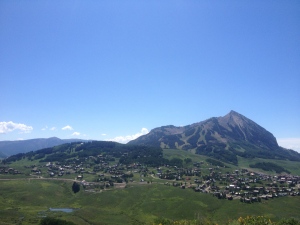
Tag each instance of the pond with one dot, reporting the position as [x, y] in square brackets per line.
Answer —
[66, 210]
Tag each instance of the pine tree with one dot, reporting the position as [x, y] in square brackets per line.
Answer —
[76, 187]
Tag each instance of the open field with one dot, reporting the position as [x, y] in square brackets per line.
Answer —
[292, 166]
[27, 201]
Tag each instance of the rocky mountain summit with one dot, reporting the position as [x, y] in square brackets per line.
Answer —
[224, 138]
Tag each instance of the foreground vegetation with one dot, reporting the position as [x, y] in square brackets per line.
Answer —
[249, 220]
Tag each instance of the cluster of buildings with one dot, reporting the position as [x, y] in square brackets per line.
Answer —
[242, 184]
[249, 186]
[8, 170]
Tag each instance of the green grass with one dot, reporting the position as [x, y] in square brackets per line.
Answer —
[292, 166]
[182, 154]
[172, 153]
[136, 204]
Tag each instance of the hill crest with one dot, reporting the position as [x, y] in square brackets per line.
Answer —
[8, 148]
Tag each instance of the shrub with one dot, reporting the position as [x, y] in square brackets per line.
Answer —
[290, 221]
[255, 220]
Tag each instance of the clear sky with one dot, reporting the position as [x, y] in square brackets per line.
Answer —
[115, 69]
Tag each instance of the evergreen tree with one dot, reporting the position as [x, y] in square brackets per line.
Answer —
[75, 187]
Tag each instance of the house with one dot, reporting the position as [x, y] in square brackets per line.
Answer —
[230, 197]
[197, 189]
[264, 197]
[247, 200]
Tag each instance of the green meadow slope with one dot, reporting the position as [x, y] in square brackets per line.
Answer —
[27, 201]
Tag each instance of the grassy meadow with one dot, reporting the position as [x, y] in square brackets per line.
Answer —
[292, 166]
[27, 201]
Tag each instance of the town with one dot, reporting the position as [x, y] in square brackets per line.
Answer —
[100, 173]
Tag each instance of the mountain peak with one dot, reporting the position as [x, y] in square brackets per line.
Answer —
[233, 118]
[234, 113]
[232, 134]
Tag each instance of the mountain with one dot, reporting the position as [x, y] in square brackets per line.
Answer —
[8, 148]
[223, 138]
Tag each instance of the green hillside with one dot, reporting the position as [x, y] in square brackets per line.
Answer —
[28, 201]
[126, 184]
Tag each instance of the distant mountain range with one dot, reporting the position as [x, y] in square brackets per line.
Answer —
[224, 138]
[8, 148]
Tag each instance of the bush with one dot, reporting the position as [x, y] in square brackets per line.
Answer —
[249, 220]
[255, 220]
[290, 221]
[164, 221]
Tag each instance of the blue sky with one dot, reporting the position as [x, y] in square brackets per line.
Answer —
[107, 69]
